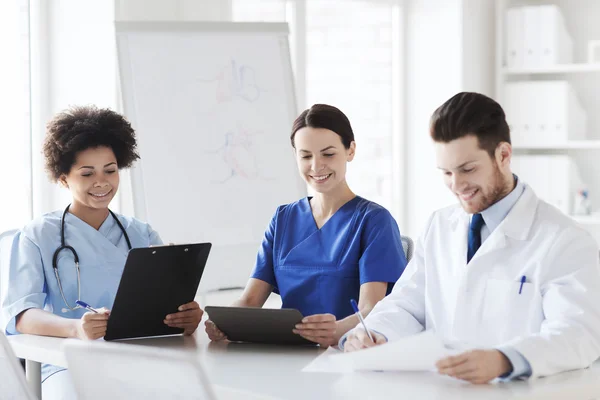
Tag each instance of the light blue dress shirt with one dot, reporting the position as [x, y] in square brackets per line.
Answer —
[493, 217]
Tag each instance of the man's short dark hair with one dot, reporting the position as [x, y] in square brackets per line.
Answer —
[470, 113]
[82, 127]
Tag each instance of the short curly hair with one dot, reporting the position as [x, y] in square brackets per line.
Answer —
[82, 127]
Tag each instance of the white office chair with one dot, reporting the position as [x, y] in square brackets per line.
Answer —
[407, 246]
[108, 370]
[5, 244]
[13, 385]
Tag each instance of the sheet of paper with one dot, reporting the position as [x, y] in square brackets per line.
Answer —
[414, 353]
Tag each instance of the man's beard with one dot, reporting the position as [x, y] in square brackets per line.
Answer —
[495, 192]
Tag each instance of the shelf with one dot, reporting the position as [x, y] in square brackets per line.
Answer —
[554, 69]
[593, 219]
[572, 145]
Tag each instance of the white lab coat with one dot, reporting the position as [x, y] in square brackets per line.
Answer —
[555, 321]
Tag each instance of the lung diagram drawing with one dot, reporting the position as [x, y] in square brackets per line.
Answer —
[232, 98]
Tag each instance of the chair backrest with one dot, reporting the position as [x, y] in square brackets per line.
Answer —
[407, 246]
[13, 385]
[132, 371]
[5, 245]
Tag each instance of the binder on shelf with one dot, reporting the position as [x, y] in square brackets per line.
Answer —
[560, 176]
[536, 36]
[556, 46]
[554, 178]
[514, 47]
[544, 113]
[564, 117]
[514, 116]
[531, 37]
[536, 113]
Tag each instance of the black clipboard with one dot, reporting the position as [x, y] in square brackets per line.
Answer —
[155, 282]
[258, 325]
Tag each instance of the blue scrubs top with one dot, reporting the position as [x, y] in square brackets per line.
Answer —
[102, 254]
[319, 270]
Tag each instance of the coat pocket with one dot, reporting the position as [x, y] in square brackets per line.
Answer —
[510, 310]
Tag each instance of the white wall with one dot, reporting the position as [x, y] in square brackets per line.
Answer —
[433, 68]
[450, 46]
[72, 64]
[478, 45]
[172, 10]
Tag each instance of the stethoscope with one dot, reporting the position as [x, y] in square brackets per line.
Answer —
[63, 246]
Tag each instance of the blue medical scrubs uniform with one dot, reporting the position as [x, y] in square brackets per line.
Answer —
[102, 254]
[319, 270]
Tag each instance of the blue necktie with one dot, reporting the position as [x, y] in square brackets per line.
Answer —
[474, 235]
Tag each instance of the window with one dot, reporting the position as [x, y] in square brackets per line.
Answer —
[347, 53]
[15, 133]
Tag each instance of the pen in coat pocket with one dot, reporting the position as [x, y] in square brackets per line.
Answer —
[523, 280]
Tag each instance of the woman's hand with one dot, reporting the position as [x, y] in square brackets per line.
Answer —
[188, 318]
[319, 328]
[213, 332]
[92, 326]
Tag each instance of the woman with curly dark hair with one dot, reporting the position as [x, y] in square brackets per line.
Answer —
[81, 250]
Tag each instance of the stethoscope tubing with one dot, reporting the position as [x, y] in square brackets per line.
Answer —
[63, 246]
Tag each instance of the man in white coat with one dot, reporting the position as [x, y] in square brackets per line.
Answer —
[503, 271]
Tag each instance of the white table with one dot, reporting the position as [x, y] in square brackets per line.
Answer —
[276, 372]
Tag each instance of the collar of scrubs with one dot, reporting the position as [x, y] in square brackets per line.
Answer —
[495, 214]
[106, 226]
[104, 235]
[307, 208]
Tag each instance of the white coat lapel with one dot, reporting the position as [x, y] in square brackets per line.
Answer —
[519, 220]
[460, 228]
[516, 225]
[495, 242]
[456, 297]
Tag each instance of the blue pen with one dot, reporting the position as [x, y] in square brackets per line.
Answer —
[523, 279]
[86, 306]
[360, 318]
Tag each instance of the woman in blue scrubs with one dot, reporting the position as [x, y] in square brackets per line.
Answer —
[322, 251]
[84, 149]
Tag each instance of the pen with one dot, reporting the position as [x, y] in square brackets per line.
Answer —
[360, 318]
[523, 279]
[86, 306]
